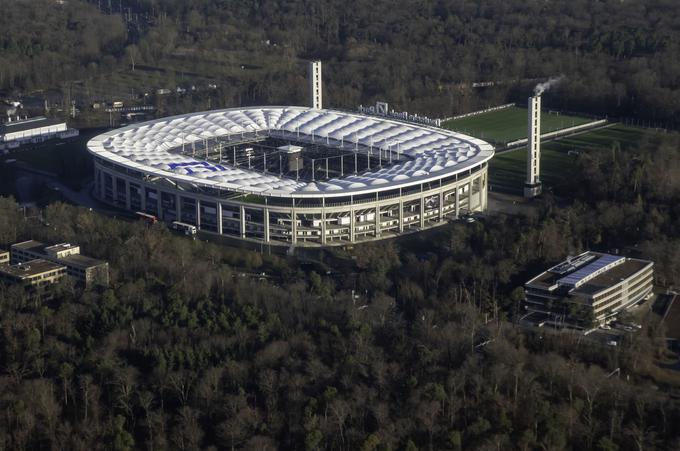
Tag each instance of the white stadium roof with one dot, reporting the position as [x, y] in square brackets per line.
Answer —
[432, 153]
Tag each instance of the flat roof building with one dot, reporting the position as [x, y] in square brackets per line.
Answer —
[33, 130]
[4, 258]
[87, 270]
[589, 289]
[34, 275]
[30, 127]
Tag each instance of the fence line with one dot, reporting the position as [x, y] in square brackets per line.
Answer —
[564, 131]
[475, 113]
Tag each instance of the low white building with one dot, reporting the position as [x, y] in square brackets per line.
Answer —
[33, 130]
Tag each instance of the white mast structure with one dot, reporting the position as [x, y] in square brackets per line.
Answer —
[533, 185]
[315, 85]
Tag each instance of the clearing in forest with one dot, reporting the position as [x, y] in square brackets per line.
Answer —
[509, 124]
[507, 170]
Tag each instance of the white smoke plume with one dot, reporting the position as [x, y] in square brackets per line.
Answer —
[542, 87]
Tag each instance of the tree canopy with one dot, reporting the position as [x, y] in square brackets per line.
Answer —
[617, 58]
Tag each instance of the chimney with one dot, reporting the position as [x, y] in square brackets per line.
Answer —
[533, 185]
[315, 84]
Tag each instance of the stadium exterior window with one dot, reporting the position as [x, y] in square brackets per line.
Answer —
[267, 194]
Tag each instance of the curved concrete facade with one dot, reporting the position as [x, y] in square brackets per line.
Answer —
[333, 221]
[324, 216]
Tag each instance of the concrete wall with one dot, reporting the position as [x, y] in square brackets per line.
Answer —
[330, 223]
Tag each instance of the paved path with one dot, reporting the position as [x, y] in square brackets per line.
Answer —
[509, 204]
[26, 178]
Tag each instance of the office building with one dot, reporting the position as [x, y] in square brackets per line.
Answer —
[589, 289]
[35, 275]
[83, 269]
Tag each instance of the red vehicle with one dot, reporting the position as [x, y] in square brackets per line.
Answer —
[150, 219]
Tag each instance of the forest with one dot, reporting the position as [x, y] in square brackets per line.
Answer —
[618, 59]
[404, 344]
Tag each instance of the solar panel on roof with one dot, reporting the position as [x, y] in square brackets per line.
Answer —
[587, 272]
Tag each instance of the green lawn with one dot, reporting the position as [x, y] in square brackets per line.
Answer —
[507, 170]
[510, 124]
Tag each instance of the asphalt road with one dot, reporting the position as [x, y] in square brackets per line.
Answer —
[26, 179]
[509, 204]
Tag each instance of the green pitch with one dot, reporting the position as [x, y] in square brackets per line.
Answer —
[509, 124]
[507, 170]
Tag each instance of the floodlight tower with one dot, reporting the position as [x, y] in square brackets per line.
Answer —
[533, 185]
[315, 84]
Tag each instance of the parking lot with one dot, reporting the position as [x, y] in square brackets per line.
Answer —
[612, 334]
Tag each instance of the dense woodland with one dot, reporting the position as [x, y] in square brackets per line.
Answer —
[618, 58]
[406, 344]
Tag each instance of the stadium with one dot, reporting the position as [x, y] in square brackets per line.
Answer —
[292, 175]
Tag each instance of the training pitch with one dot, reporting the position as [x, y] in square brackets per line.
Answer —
[510, 124]
[507, 170]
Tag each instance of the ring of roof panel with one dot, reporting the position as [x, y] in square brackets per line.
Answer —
[433, 153]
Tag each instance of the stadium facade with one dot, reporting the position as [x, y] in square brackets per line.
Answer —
[292, 175]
